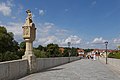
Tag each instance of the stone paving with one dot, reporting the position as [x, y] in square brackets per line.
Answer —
[79, 70]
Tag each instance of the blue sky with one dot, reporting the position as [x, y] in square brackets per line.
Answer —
[85, 23]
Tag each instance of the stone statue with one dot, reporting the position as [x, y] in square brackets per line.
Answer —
[29, 34]
[29, 18]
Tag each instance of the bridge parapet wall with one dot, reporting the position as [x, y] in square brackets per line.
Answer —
[113, 62]
[12, 70]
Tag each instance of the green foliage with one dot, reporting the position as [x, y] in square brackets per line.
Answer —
[119, 47]
[66, 52]
[20, 53]
[22, 45]
[7, 42]
[8, 46]
[8, 56]
[39, 54]
[53, 50]
[40, 47]
[114, 55]
[74, 51]
[88, 50]
[3, 29]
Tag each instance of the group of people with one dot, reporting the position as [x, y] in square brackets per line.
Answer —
[92, 55]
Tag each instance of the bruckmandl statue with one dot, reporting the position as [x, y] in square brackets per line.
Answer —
[29, 34]
[29, 18]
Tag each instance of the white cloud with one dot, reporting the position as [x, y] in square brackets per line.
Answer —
[41, 12]
[98, 40]
[49, 39]
[116, 41]
[5, 9]
[9, 3]
[16, 29]
[73, 39]
[20, 8]
[46, 28]
[50, 33]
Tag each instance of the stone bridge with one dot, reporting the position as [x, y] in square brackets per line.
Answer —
[79, 70]
[57, 69]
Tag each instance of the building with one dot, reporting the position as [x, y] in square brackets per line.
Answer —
[80, 52]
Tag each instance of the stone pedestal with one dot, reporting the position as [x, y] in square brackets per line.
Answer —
[29, 55]
[29, 34]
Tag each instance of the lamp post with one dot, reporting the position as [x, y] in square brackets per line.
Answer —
[69, 43]
[106, 44]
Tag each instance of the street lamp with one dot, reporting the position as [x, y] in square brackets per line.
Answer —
[69, 43]
[106, 43]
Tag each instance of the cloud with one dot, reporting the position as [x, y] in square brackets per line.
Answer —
[9, 3]
[5, 9]
[98, 40]
[50, 33]
[116, 41]
[45, 28]
[20, 8]
[41, 12]
[16, 28]
[48, 40]
[73, 39]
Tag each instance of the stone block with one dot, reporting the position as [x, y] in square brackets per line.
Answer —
[23, 68]
[14, 69]
[40, 64]
[4, 68]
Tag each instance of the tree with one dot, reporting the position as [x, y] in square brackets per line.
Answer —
[88, 50]
[10, 56]
[119, 47]
[8, 46]
[40, 54]
[53, 50]
[74, 51]
[40, 47]
[7, 42]
[22, 45]
[66, 52]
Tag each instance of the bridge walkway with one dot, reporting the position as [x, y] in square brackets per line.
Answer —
[79, 70]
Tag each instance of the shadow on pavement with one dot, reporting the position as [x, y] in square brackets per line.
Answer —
[52, 69]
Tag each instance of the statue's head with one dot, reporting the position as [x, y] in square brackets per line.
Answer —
[28, 11]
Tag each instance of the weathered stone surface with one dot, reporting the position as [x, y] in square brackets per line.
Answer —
[29, 34]
[78, 70]
[4, 71]
[11, 70]
[15, 69]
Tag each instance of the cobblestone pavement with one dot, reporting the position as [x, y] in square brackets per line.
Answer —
[79, 70]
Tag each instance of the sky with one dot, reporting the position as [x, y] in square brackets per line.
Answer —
[84, 23]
